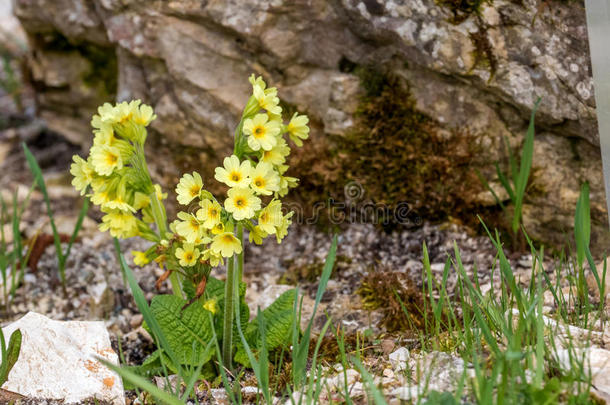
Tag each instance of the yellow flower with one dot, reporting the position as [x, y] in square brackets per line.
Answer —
[100, 198]
[257, 81]
[264, 179]
[189, 228]
[218, 228]
[211, 305]
[242, 203]
[143, 115]
[105, 159]
[225, 244]
[257, 235]
[140, 200]
[286, 182]
[118, 203]
[209, 214]
[104, 135]
[262, 132]
[139, 258]
[297, 128]
[234, 173]
[187, 255]
[276, 155]
[160, 194]
[82, 172]
[202, 239]
[106, 112]
[214, 259]
[270, 217]
[120, 224]
[189, 187]
[267, 98]
[282, 230]
[123, 111]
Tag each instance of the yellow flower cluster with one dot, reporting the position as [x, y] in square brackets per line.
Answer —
[112, 175]
[254, 173]
[116, 178]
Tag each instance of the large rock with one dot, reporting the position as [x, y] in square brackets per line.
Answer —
[58, 360]
[472, 77]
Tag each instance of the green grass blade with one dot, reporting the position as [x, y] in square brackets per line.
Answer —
[505, 183]
[39, 180]
[144, 384]
[582, 224]
[142, 305]
[17, 246]
[512, 161]
[77, 226]
[300, 349]
[260, 366]
[378, 398]
[310, 392]
[527, 155]
[491, 190]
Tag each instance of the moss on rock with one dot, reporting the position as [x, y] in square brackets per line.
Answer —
[398, 156]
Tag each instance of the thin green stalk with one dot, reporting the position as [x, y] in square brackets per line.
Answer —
[240, 257]
[160, 218]
[227, 336]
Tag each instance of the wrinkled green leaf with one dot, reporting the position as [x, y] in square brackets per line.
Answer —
[277, 318]
[183, 327]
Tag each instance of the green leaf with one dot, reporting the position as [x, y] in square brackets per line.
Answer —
[39, 180]
[12, 355]
[300, 349]
[527, 155]
[182, 328]
[277, 318]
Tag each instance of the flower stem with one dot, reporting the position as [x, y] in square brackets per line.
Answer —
[227, 335]
[158, 212]
[240, 257]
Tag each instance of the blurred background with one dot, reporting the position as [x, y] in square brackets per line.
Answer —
[410, 100]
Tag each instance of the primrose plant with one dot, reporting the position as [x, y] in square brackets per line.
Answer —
[116, 178]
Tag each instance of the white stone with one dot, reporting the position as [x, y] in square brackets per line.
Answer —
[399, 359]
[58, 361]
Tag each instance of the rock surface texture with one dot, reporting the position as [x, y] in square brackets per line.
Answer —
[469, 75]
[58, 361]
